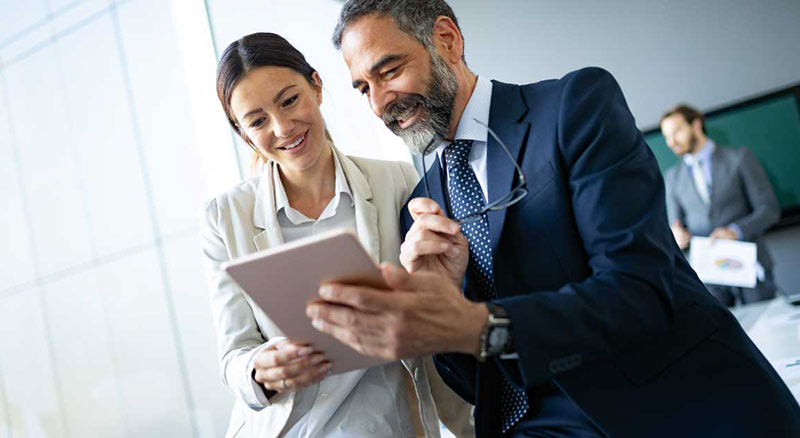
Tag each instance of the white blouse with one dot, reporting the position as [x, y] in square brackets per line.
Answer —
[353, 404]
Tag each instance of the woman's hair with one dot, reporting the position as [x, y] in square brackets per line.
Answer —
[247, 53]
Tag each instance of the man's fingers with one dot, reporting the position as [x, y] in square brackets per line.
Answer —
[414, 248]
[420, 206]
[332, 314]
[394, 276]
[435, 223]
[359, 297]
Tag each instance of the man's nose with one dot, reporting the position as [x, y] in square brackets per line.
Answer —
[379, 100]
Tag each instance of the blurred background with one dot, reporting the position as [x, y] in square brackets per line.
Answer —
[111, 138]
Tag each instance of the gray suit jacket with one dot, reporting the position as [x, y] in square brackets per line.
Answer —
[741, 194]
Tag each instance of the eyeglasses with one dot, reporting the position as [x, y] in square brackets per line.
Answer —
[515, 195]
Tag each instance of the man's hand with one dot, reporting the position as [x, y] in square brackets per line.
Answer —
[681, 234]
[434, 243]
[424, 313]
[726, 233]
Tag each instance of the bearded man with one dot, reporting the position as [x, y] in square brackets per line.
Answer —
[720, 192]
[540, 268]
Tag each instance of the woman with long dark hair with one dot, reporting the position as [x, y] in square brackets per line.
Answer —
[271, 96]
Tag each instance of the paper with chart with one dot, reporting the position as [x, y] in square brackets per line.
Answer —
[724, 262]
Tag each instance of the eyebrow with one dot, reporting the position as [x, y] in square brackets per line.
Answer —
[275, 100]
[280, 93]
[386, 59]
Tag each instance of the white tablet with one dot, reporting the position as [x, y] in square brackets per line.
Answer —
[283, 280]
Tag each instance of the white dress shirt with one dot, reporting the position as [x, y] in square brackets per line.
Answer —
[371, 403]
[477, 108]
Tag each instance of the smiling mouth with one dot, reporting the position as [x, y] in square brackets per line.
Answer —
[409, 117]
[295, 143]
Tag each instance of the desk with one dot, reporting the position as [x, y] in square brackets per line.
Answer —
[774, 326]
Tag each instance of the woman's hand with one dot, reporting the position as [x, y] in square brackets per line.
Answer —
[287, 366]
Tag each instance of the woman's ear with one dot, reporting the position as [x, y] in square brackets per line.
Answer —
[318, 86]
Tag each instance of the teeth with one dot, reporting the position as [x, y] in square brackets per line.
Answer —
[294, 145]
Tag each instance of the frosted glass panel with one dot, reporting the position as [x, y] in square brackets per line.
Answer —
[212, 400]
[16, 265]
[173, 162]
[143, 343]
[46, 146]
[27, 367]
[104, 138]
[81, 349]
[16, 16]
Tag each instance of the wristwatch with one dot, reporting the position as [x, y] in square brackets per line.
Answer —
[496, 334]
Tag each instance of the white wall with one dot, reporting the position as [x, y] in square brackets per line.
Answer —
[706, 53]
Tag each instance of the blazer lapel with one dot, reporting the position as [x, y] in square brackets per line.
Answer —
[437, 186]
[366, 213]
[264, 214]
[718, 175]
[505, 118]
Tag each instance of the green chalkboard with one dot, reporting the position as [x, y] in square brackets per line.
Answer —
[769, 126]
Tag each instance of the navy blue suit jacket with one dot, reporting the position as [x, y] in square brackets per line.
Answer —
[602, 302]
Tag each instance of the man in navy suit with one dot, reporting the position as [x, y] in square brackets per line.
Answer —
[567, 310]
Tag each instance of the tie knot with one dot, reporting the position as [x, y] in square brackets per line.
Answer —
[457, 154]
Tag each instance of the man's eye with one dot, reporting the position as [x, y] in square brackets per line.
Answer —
[290, 100]
[389, 73]
[364, 90]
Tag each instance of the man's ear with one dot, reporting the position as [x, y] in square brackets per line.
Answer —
[697, 125]
[447, 39]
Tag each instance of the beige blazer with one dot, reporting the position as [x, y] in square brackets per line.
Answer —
[242, 221]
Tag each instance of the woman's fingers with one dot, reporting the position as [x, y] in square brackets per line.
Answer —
[289, 366]
[294, 375]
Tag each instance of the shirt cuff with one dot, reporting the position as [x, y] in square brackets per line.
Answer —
[259, 399]
[737, 230]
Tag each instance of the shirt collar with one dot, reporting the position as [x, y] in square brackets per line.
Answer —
[478, 107]
[702, 156]
[282, 200]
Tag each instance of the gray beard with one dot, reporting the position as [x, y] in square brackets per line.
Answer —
[433, 122]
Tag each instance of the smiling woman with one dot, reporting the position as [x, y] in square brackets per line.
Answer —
[241, 68]
[305, 186]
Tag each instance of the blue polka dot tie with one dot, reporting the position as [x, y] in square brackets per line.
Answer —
[466, 198]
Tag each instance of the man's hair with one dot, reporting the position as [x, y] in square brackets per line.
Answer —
[689, 114]
[414, 17]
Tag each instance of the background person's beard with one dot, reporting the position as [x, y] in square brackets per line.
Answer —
[433, 118]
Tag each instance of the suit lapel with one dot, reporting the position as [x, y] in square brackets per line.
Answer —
[366, 213]
[688, 186]
[718, 175]
[264, 214]
[437, 186]
[507, 110]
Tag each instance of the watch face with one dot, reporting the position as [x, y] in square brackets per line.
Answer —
[498, 338]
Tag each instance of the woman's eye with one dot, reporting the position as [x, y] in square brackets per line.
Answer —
[257, 122]
[364, 90]
[290, 100]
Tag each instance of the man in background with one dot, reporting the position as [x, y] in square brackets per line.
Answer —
[721, 192]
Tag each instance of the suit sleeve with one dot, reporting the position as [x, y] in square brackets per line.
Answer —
[761, 197]
[238, 336]
[617, 197]
[674, 211]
